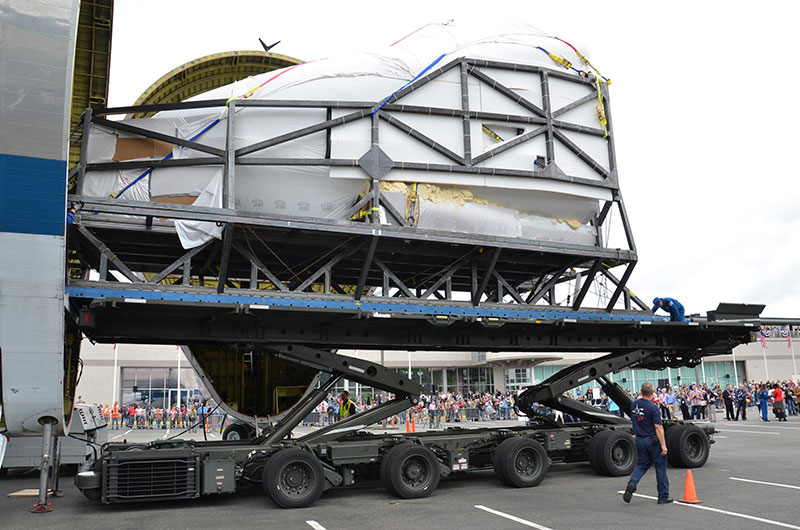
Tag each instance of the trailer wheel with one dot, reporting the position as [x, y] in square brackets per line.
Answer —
[690, 446]
[521, 462]
[410, 471]
[612, 453]
[672, 449]
[293, 478]
[237, 431]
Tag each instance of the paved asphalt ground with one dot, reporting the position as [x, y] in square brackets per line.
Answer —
[750, 481]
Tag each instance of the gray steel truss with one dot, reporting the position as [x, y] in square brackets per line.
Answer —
[364, 253]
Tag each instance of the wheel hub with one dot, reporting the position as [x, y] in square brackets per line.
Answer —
[414, 472]
[526, 464]
[295, 479]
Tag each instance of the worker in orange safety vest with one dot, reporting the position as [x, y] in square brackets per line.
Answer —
[115, 416]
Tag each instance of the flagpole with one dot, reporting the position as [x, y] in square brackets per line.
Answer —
[766, 369]
[114, 385]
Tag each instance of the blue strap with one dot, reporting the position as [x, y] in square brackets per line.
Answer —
[385, 101]
[168, 157]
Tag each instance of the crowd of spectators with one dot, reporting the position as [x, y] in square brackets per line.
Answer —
[147, 416]
[684, 402]
[693, 402]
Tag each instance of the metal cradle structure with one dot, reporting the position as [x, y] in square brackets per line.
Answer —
[375, 263]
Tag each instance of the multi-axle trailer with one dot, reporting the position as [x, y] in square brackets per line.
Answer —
[294, 471]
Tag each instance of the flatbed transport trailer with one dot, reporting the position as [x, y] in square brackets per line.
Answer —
[294, 472]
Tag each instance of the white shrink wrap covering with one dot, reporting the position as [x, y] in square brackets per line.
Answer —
[493, 205]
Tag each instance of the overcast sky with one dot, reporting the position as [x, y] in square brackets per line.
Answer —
[704, 101]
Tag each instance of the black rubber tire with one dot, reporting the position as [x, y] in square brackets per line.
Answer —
[410, 471]
[521, 462]
[672, 449]
[237, 431]
[612, 453]
[591, 450]
[293, 478]
[691, 446]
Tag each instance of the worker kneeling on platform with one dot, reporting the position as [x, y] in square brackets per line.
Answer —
[671, 306]
[651, 446]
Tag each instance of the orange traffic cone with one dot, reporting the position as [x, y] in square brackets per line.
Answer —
[408, 425]
[689, 494]
[413, 426]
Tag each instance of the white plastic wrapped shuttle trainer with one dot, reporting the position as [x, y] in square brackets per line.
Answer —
[457, 200]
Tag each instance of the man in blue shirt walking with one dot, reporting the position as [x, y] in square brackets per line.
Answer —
[651, 446]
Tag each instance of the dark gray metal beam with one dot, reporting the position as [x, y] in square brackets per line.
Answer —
[227, 241]
[229, 170]
[110, 256]
[394, 278]
[513, 292]
[487, 275]
[616, 281]
[547, 287]
[574, 105]
[421, 138]
[465, 121]
[257, 263]
[328, 266]
[509, 144]
[177, 211]
[132, 129]
[586, 284]
[384, 202]
[621, 286]
[580, 153]
[507, 92]
[300, 133]
[549, 145]
[180, 261]
[362, 279]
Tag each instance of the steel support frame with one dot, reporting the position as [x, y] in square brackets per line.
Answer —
[549, 125]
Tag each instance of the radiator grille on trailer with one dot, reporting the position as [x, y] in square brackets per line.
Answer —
[135, 479]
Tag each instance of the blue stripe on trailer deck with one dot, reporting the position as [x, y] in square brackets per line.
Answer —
[348, 305]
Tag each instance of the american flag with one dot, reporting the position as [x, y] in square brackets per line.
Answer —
[764, 334]
[786, 335]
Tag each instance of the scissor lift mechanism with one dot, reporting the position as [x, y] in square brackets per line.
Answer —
[295, 471]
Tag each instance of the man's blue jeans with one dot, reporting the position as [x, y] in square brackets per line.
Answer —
[648, 455]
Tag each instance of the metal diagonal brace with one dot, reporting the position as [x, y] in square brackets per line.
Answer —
[580, 153]
[554, 279]
[359, 420]
[384, 202]
[180, 261]
[328, 266]
[476, 296]
[587, 284]
[362, 278]
[105, 251]
[124, 127]
[227, 241]
[421, 138]
[259, 265]
[394, 278]
[510, 94]
[449, 274]
[513, 292]
[305, 131]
